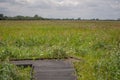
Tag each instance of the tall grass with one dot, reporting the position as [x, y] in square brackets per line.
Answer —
[11, 72]
[92, 41]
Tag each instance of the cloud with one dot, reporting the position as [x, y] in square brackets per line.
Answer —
[4, 0]
[62, 8]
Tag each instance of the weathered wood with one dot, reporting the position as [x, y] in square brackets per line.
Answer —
[50, 69]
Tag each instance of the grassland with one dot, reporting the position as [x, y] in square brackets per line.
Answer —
[96, 43]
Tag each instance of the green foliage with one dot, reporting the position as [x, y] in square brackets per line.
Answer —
[108, 68]
[105, 67]
[58, 53]
[2, 43]
[5, 54]
[8, 72]
[11, 72]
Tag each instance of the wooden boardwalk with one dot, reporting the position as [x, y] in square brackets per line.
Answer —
[50, 69]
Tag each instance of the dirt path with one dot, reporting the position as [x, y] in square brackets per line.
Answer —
[50, 69]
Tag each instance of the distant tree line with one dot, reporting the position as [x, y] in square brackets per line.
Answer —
[19, 17]
[36, 17]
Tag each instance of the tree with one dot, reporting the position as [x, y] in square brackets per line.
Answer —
[19, 17]
[36, 16]
[118, 19]
[1, 16]
[79, 18]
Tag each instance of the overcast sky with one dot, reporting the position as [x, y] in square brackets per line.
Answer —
[103, 9]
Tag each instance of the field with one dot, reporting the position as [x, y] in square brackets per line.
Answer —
[95, 43]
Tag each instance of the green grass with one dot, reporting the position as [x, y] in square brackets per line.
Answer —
[25, 73]
[92, 41]
[11, 72]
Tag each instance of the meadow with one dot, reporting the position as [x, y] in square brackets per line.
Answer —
[95, 43]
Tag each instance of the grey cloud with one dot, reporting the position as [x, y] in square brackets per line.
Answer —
[4, 0]
[40, 5]
[62, 8]
[2, 9]
[7, 1]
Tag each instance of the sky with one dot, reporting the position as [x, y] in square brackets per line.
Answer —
[87, 9]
